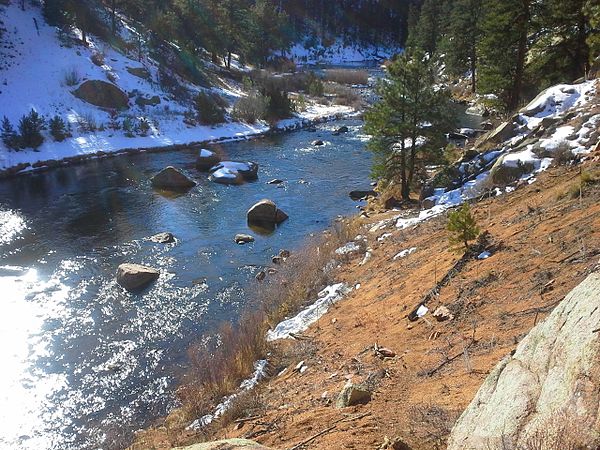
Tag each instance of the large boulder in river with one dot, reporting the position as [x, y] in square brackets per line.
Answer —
[206, 159]
[134, 277]
[226, 444]
[172, 179]
[103, 94]
[548, 386]
[233, 172]
[265, 213]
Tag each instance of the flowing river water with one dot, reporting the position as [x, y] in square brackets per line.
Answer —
[83, 361]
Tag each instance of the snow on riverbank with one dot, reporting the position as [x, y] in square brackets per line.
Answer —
[340, 54]
[34, 74]
[327, 297]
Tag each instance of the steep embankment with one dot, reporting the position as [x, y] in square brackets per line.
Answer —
[112, 100]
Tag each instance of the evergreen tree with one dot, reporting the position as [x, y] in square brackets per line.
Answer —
[426, 35]
[463, 227]
[462, 37]
[592, 14]
[8, 134]
[30, 129]
[410, 117]
[503, 49]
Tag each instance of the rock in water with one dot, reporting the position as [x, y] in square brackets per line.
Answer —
[243, 239]
[226, 444]
[552, 374]
[172, 179]
[134, 277]
[353, 394]
[207, 159]
[317, 143]
[343, 129]
[163, 238]
[233, 172]
[265, 212]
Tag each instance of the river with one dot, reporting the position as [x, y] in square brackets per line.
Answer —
[84, 362]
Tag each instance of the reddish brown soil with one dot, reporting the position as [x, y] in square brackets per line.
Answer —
[548, 244]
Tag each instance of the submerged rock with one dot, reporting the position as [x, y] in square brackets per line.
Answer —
[172, 179]
[265, 212]
[134, 277]
[243, 239]
[317, 143]
[206, 159]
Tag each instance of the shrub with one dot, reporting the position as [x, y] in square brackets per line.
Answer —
[347, 76]
[113, 123]
[251, 108]
[9, 136]
[462, 226]
[208, 110]
[563, 155]
[128, 127]
[343, 95]
[30, 129]
[300, 103]
[144, 126]
[71, 77]
[87, 123]
[97, 58]
[58, 129]
[316, 88]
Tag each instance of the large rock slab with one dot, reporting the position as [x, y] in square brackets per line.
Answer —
[103, 94]
[134, 277]
[553, 374]
[265, 213]
[172, 179]
[353, 394]
[226, 444]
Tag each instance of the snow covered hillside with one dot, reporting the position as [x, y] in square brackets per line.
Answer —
[41, 71]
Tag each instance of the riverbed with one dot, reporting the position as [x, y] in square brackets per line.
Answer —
[85, 362]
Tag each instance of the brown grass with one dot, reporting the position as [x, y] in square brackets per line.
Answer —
[343, 95]
[347, 76]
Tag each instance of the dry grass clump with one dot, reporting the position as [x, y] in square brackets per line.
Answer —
[347, 76]
[343, 95]
[218, 367]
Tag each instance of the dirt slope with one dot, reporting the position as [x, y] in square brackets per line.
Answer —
[546, 241]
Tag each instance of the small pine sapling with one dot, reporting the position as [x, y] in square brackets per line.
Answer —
[463, 228]
[58, 129]
[30, 129]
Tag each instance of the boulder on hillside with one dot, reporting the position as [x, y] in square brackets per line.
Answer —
[103, 94]
[503, 173]
[547, 387]
[265, 213]
[206, 159]
[353, 394]
[172, 179]
[225, 444]
[140, 72]
[134, 277]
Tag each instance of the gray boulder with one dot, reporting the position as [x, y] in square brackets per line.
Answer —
[552, 375]
[226, 444]
[265, 212]
[134, 277]
[103, 94]
[353, 394]
[206, 159]
[233, 172]
[172, 179]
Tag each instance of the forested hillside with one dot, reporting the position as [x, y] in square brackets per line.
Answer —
[510, 48]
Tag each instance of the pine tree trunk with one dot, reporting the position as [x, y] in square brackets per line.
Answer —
[523, 28]
[473, 67]
[405, 186]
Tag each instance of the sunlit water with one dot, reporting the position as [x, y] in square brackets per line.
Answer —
[85, 363]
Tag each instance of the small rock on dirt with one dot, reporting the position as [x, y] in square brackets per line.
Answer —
[353, 394]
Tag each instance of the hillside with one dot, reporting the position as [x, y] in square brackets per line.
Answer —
[158, 107]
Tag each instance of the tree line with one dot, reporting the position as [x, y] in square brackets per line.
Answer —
[510, 48]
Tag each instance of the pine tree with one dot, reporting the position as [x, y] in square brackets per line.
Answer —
[503, 49]
[462, 37]
[463, 227]
[30, 129]
[8, 135]
[58, 128]
[409, 118]
[426, 35]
